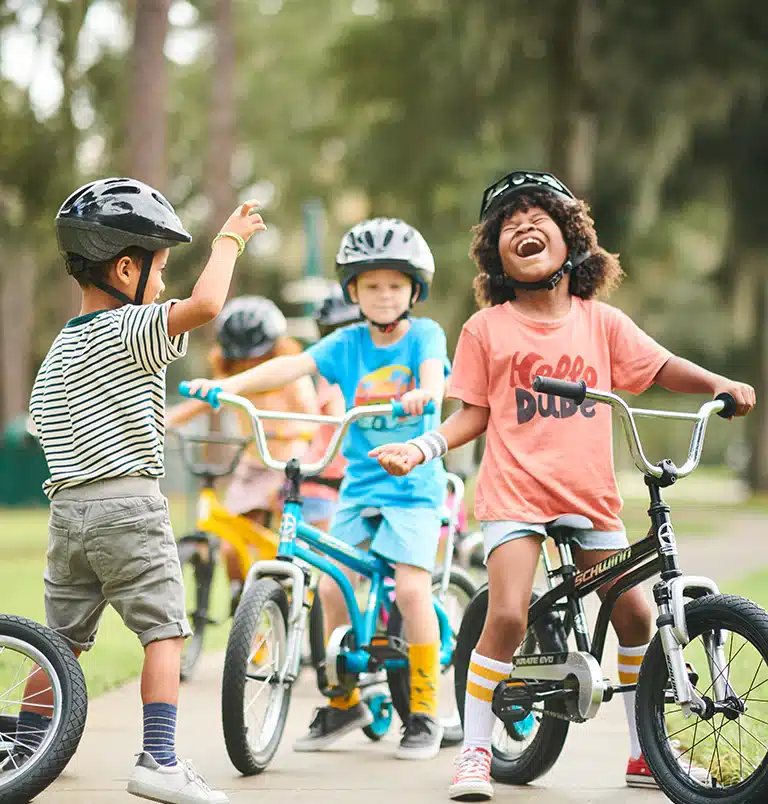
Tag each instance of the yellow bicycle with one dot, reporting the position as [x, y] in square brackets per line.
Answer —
[208, 458]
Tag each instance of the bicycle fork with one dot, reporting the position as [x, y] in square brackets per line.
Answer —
[673, 631]
[293, 576]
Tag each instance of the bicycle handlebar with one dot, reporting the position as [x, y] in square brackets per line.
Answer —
[216, 396]
[723, 405]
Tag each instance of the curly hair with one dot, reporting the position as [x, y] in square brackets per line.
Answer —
[222, 367]
[599, 274]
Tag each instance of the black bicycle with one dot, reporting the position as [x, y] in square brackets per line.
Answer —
[701, 715]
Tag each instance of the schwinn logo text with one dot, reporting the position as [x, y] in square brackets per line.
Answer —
[605, 564]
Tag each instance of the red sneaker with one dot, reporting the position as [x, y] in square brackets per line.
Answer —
[639, 774]
[472, 781]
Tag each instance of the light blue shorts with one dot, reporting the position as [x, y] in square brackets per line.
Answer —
[399, 535]
[317, 509]
[498, 532]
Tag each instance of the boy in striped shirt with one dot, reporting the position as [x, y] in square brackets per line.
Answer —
[98, 404]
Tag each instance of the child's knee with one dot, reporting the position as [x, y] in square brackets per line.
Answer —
[413, 589]
[632, 618]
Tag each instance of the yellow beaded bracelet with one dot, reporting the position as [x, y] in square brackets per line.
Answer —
[234, 236]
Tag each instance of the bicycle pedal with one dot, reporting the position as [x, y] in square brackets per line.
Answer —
[383, 648]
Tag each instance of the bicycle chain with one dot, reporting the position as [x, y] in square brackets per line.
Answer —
[556, 715]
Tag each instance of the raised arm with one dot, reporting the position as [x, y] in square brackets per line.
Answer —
[210, 291]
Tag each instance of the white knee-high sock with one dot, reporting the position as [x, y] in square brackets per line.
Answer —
[630, 660]
[484, 674]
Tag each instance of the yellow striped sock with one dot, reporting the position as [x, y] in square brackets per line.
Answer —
[424, 662]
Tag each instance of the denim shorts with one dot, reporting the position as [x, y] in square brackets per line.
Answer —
[112, 542]
[498, 532]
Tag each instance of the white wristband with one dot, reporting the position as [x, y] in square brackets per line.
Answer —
[432, 445]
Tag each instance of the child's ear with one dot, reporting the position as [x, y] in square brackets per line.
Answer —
[123, 270]
[352, 290]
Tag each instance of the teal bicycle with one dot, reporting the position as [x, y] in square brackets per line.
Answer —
[264, 650]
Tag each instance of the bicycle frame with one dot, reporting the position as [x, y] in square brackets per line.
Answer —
[238, 531]
[654, 555]
[294, 535]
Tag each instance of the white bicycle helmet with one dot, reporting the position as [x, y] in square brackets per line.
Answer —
[248, 326]
[385, 242]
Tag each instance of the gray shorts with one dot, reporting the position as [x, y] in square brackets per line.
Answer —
[112, 542]
[498, 532]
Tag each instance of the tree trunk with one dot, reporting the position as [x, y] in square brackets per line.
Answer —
[757, 423]
[147, 124]
[221, 141]
[573, 132]
[16, 321]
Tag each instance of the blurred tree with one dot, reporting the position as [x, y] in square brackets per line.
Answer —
[221, 137]
[146, 122]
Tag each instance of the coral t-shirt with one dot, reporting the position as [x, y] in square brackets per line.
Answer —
[546, 456]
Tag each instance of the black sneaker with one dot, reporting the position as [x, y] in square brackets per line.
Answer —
[329, 724]
[421, 738]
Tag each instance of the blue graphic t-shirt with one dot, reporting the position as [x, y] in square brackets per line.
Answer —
[369, 375]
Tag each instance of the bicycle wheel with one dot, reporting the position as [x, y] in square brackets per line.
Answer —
[25, 772]
[254, 702]
[457, 597]
[528, 751]
[197, 556]
[730, 746]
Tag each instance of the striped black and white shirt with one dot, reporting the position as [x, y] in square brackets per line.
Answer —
[98, 402]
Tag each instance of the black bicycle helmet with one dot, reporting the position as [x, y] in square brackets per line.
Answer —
[248, 327]
[335, 312]
[105, 217]
[511, 186]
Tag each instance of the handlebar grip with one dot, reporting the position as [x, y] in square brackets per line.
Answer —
[577, 391]
[399, 413]
[212, 397]
[729, 405]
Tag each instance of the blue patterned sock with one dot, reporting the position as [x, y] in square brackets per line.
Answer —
[160, 732]
[31, 728]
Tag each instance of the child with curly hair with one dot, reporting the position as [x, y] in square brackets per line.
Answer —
[540, 269]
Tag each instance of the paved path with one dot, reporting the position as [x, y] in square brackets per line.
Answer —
[590, 770]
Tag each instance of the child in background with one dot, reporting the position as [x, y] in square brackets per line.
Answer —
[250, 331]
[385, 266]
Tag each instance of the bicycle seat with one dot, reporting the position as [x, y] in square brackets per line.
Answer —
[562, 528]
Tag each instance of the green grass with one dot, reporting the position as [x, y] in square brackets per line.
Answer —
[117, 656]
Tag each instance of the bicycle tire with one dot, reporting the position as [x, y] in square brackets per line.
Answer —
[547, 745]
[732, 613]
[400, 681]
[25, 785]
[203, 569]
[263, 593]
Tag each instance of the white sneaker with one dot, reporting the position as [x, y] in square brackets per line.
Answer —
[178, 784]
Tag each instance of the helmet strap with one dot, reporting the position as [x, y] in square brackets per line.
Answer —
[146, 268]
[549, 283]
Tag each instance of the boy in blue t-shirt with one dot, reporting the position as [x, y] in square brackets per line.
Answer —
[385, 266]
